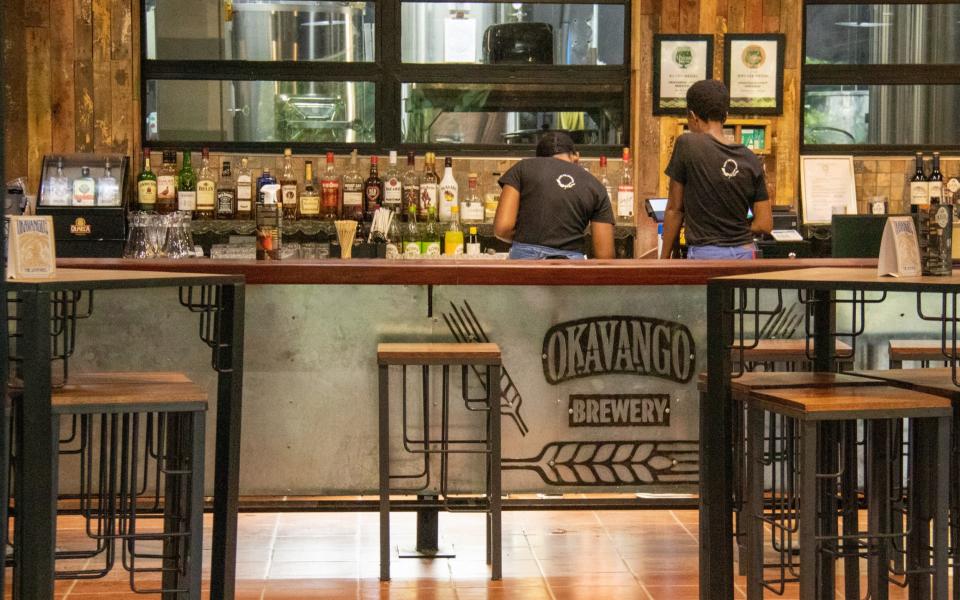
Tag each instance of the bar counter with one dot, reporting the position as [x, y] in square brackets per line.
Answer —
[468, 272]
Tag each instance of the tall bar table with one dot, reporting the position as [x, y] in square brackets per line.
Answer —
[220, 300]
[727, 299]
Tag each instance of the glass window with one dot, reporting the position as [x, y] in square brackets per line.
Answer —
[260, 111]
[881, 114]
[287, 30]
[442, 113]
[874, 34]
[518, 33]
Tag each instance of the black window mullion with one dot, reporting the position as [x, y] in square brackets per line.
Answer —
[388, 91]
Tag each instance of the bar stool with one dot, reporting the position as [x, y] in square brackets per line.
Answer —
[922, 351]
[481, 358]
[792, 354]
[818, 413]
[122, 423]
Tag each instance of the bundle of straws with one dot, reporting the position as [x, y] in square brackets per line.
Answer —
[380, 227]
[346, 230]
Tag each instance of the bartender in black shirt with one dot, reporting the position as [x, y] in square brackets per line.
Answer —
[547, 203]
[714, 184]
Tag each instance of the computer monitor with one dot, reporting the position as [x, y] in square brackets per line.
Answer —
[656, 207]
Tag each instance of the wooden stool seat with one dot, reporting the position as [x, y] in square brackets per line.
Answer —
[128, 392]
[936, 381]
[438, 354]
[920, 350]
[851, 402]
[759, 380]
[788, 351]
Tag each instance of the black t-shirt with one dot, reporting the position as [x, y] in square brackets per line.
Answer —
[558, 199]
[720, 183]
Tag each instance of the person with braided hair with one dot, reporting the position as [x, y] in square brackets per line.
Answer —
[714, 184]
[547, 203]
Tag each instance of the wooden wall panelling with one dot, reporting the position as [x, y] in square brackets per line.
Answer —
[689, 16]
[670, 16]
[14, 90]
[646, 131]
[121, 80]
[36, 13]
[736, 17]
[754, 16]
[62, 56]
[102, 88]
[39, 116]
[83, 94]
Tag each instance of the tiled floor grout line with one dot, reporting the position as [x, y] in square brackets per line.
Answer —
[633, 573]
[73, 584]
[269, 563]
[536, 559]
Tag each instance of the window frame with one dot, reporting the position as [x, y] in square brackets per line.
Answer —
[388, 73]
[878, 74]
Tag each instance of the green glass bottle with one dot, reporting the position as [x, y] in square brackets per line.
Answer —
[146, 185]
[430, 244]
[187, 190]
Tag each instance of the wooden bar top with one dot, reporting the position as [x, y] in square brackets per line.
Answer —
[852, 402]
[844, 277]
[469, 272]
[429, 353]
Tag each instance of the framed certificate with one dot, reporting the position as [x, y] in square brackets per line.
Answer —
[827, 188]
[679, 61]
[753, 72]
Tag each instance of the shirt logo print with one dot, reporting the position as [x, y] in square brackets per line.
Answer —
[730, 168]
[566, 181]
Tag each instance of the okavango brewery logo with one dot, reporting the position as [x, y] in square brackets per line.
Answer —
[618, 344]
[753, 56]
[683, 56]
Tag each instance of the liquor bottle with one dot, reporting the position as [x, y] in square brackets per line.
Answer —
[226, 193]
[491, 199]
[187, 186]
[288, 186]
[473, 243]
[244, 190]
[430, 242]
[330, 190]
[167, 183]
[146, 185]
[411, 238]
[429, 187]
[453, 236]
[605, 181]
[392, 187]
[449, 191]
[936, 233]
[206, 189]
[935, 181]
[394, 239]
[310, 196]
[372, 191]
[919, 189]
[84, 189]
[265, 179]
[411, 186]
[471, 206]
[269, 223]
[353, 191]
[108, 192]
[56, 190]
[625, 190]
[951, 195]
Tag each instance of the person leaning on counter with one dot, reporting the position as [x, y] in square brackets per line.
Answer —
[714, 184]
[548, 201]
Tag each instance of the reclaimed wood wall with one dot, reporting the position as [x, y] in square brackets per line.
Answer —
[71, 81]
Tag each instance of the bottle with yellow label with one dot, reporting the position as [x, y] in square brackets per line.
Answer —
[146, 185]
[453, 237]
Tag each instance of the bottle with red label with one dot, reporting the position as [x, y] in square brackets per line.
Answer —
[625, 190]
[372, 191]
[330, 191]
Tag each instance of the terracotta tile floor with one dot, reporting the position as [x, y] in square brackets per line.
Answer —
[561, 555]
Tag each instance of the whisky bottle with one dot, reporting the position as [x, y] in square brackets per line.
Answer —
[309, 197]
[187, 186]
[353, 191]
[372, 191]
[244, 190]
[392, 186]
[449, 194]
[935, 181]
[206, 189]
[410, 186]
[330, 191]
[429, 187]
[226, 194]
[146, 185]
[167, 183]
[288, 186]
[919, 188]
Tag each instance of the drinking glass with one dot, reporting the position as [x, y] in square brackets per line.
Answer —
[137, 245]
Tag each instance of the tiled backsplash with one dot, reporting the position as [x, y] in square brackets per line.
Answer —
[890, 177]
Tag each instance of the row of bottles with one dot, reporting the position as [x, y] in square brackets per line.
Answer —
[932, 199]
[82, 192]
[412, 239]
[332, 195]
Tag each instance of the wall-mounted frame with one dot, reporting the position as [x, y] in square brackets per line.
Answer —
[679, 61]
[827, 187]
[753, 72]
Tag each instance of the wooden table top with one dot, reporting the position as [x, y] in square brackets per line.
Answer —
[73, 278]
[428, 353]
[841, 277]
[938, 380]
[851, 402]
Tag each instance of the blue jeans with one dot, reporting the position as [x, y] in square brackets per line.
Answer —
[534, 251]
[744, 252]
